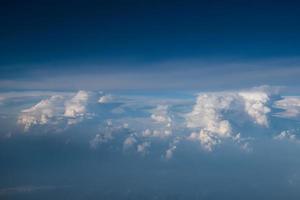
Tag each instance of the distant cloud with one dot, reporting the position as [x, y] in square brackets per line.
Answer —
[290, 106]
[143, 148]
[212, 119]
[129, 142]
[209, 114]
[172, 147]
[106, 98]
[285, 135]
[160, 115]
[44, 112]
[54, 110]
[290, 135]
[75, 108]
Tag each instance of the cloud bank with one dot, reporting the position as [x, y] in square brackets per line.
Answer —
[213, 118]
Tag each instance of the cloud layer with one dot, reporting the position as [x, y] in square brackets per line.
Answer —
[141, 123]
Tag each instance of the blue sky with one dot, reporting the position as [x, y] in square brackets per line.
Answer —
[45, 40]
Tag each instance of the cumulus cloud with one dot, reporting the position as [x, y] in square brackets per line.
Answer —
[75, 108]
[54, 110]
[211, 110]
[172, 147]
[162, 126]
[287, 135]
[161, 133]
[160, 115]
[207, 115]
[106, 98]
[213, 118]
[255, 106]
[42, 113]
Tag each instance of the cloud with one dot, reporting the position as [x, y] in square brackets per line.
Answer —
[143, 148]
[44, 112]
[55, 109]
[210, 120]
[100, 138]
[207, 115]
[129, 142]
[106, 99]
[162, 126]
[255, 106]
[211, 114]
[193, 74]
[161, 133]
[288, 135]
[285, 135]
[160, 115]
[290, 105]
[75, 108]
[172, 147]
[169, 152]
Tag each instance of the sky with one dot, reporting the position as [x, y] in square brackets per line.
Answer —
[149, 100]
[48, 43]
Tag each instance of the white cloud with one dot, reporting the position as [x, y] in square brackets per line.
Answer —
[55, 109]
[290, 105]
[255, 106]
[214, 118]
[105, 99]
[207, 115]
[75, 108]
[286, 135]
[160, 115]
[207, 139]
[210, 114]
[162, 126]
[42, 113]
[160, 133]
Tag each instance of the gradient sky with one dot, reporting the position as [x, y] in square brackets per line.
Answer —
[175, 42]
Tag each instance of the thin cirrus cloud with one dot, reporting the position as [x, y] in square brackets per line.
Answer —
[188, 74]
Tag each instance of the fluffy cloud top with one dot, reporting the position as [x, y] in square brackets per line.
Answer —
[160, 115]
[55, 109]
[77, 105]
[255, 106]
[75, 108]
[44, 112]
[210, 111]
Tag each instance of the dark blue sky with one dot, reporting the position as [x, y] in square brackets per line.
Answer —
[121, 36]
